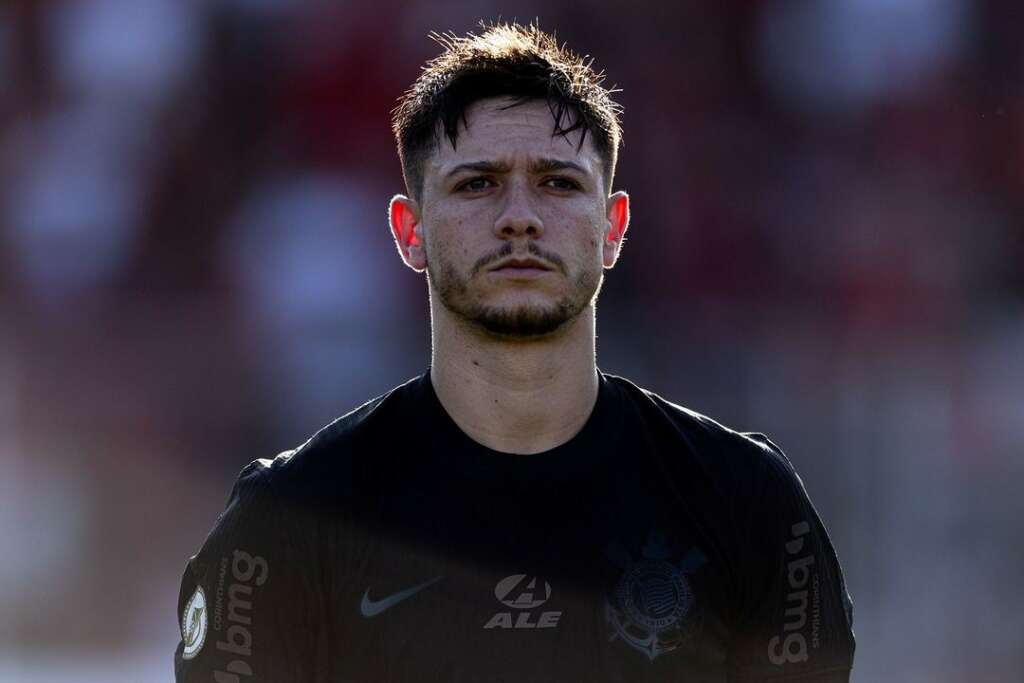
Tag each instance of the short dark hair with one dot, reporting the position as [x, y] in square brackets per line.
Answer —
[505, 60]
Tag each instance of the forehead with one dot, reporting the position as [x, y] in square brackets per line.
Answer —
[495, 130]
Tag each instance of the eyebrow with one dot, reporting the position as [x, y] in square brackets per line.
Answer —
[544, 165]
[548, 165]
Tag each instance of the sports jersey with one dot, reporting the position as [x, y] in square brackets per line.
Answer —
[655, 545]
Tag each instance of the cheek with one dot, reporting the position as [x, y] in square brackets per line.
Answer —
[449, 244]
[595, 232]
[452, 233]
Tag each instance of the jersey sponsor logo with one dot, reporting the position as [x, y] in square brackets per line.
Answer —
[649, 604]
[523, 593]
[511, 591]
[193, 624]
[247, 571]
[371, 608]
[791, 647]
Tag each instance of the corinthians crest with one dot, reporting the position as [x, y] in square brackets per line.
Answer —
[648, 606]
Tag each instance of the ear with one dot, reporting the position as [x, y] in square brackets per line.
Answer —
[404, 217]
[618, 221]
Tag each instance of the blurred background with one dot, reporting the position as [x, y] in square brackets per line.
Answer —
[195, 271]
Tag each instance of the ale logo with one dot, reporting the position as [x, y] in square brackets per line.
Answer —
[193, 624]
[523, 593]
[511, 591]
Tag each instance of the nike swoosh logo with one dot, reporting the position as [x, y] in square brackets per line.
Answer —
[371, 608]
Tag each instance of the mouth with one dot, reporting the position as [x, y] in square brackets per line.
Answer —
[521, 264]
[521, 269]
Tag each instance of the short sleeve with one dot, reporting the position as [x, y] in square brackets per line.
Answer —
[244, 605]
[795, 616]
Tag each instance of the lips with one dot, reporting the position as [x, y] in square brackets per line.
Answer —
[520, 263]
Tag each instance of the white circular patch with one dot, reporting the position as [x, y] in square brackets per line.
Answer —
[193, 624]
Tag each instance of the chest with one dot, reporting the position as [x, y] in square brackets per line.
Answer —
[505, 583]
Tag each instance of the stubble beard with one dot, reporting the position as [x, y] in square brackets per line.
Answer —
[520, 322]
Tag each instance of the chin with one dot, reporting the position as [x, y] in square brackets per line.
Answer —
[525, 322]
[520, 313]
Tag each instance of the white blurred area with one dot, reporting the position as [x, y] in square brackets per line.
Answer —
[195, 271]
[74, 207]
[833, 55]
[85, 668]
[321, 315]
[78, 165]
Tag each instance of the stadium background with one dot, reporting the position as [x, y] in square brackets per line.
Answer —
[195, 271]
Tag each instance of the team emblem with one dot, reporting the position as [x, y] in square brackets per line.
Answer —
[648, 606]
[193, 624]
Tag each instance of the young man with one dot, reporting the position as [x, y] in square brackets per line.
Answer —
[514, 514]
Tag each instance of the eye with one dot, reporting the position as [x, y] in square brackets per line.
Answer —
[475, 185]
[561, 183]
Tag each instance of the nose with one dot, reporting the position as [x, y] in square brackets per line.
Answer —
[517, 215]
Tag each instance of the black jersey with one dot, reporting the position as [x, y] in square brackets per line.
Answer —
[655, 545]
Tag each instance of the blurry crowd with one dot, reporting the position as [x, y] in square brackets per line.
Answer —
[195, 271]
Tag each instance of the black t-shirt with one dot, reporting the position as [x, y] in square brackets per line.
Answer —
[655, 545]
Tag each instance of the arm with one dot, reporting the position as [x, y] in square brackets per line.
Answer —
[795, 616]
[244, 605]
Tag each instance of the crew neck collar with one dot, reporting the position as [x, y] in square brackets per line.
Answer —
[457, 450]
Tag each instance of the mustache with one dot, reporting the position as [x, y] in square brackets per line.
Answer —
[507, 250]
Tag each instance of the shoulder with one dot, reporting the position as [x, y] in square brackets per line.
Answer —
[707, 438]
[366, 421]
[330, 459]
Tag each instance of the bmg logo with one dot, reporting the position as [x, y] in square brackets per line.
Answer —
[793, 648]
[247, 570]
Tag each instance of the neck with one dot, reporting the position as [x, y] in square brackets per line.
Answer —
[514, 396]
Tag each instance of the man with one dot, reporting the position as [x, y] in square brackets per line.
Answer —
[514, 514]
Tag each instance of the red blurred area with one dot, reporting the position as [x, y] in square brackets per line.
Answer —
[196, 271]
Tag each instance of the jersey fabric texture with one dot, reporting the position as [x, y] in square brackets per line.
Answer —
[655, 545]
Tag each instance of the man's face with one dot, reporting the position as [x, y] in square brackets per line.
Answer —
[513, 221]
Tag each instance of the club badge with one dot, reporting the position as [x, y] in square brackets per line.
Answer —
[648, 606]
[193, 624]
